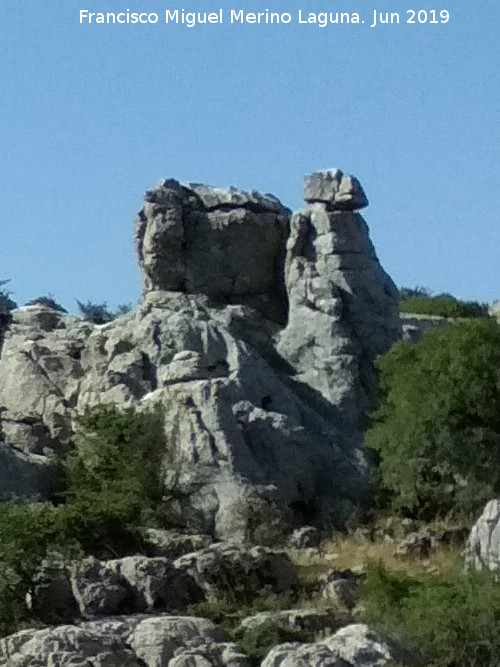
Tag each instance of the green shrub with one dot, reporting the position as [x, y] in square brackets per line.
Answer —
[113, 486]
[422, 302]
[437, 430]
[28, 534]
[48, 302]
[256, 642]
[6, 303]
[113, 474]
[98, 313]
[453, 619]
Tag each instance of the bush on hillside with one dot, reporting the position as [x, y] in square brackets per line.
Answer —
[48, 302]
[28, 534]
[6, 303]
[452, 619]
[437, 430]
[113, 486]
[422, 302]
[114, 470]
[98, 313]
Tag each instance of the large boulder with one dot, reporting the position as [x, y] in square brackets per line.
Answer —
[263, 412]
[226, 243]
[352, 646]
[227, 569]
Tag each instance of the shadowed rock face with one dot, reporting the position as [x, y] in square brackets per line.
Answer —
[227, 244]
[256, 337]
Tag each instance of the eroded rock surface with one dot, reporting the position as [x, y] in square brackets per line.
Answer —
[258, 350]
[352, 646]
[482, 551]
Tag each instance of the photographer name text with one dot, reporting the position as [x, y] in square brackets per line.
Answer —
[189, 19]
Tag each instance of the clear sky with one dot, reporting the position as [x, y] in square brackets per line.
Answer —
[93, 115]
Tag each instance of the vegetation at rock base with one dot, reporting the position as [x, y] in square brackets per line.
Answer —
[421, 301]
[256, 643]
[113, 471]
[112, 486]
[451, 619]
[437, 430]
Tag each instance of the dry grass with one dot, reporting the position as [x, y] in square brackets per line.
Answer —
[356, 553]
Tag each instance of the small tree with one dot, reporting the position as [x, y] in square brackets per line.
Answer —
[6, 303]
[113, 474]
[47, 301]
[97, 313]
[437, 430]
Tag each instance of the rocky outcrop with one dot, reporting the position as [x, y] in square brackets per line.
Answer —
[343, 309]
[132, 641]
[351, 646]
[482, 551]
[257, 350]
[225, 243]
[91, 588]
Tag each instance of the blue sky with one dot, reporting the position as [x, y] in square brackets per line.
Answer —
[92, 116]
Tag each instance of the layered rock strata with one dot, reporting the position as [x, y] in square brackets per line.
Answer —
[255, 337]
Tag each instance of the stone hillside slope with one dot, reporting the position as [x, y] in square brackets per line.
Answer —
[256, 337]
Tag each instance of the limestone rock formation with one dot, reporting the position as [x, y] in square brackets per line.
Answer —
[258, 350]
[343, 309]
[227, 244]
[127, 641]
[333, 188]
[352, 646]
[482, 551]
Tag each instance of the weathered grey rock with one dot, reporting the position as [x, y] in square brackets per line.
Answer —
[51, 597]
[494, 310]
[225, 568]
[98, 589]
[172, 544]
[209, 654]
[302, 655]
[417, 544]
[156, 640]
[351, 646]
[307, 620]
[340, 587]
[361, 647]
[155, 584]
[306, 537]
[414, 325]
[228, 244]
[26, 475]
[482, 551]
[343, 312]
[263, 424]
[335, 189]
[66, 646]
[133, 641]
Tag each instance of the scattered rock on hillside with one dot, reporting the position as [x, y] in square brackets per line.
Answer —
[225, 568]
[351, 646]
[296, 620]
[133, 641]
